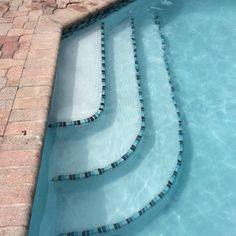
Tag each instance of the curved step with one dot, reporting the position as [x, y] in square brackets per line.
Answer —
[115, 136]
[79, 93]
[145, 180]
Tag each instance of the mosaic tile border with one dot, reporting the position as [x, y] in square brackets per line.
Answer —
[160, 196]
[133, 147]
[102, 103]
[69, 31]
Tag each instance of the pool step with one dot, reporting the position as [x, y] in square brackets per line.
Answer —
[109, 202]
[79, 92]
[106, 143]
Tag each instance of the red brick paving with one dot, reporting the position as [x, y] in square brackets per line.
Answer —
[30, 32]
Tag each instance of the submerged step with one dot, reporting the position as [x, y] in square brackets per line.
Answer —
[78, 93]
[107, 142]
[111, 201]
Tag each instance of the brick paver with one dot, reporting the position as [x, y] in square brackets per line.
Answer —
[30, 32]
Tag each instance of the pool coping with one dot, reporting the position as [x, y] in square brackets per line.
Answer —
[25, 97]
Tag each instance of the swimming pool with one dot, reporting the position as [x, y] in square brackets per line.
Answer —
[112, 173]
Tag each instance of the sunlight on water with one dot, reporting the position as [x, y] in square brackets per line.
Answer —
[200, 39]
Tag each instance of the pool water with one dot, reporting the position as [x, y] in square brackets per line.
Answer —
[199, 38]
[202, 54]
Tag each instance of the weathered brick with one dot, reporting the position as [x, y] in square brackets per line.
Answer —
[2, 73]
[8, 93]
[45, 45]
[81, 7]
[62, 3]
[41, 62]
[22, 52]
[7, 63]
[20, 143]
[24, 8]
[42, 53]
[16, 194]
[16, 3]
[4, 115]
[4, 28]
[14, 215]
[34, 15]
[26, 38]
[9, 48]
[17, 176]
[7, 39]
[49, 9]
[5, 104]
[3, 8]
[13, 75]
[13, 231]
[13, 8]
[36, 6]
[30, 25]
[38, 72]
[36, 91]
[69, 16]
[25, 128]
[31, 102]
[3, 123]
[37, 81]
[46, 38]
[19, 158]
[6, 20]
[19, 32]
[3, 81]
[15, 13]
[46, 25]
[28, 115]
[19, 21]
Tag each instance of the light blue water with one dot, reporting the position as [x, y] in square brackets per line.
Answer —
[201, 50]
[201, 38]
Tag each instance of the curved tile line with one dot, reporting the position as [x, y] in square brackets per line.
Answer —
[133, 147]
[102, 103]
[162, 194]
[69, 31]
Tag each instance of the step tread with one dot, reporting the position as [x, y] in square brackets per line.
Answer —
[125, 195]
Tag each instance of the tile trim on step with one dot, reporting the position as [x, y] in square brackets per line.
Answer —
[163, 193]
[102, 102]
[69, 31]
[134, 145]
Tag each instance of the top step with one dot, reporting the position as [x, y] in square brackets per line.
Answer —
[79, 92]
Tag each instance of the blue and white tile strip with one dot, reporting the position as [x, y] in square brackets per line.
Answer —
[69, 31]
[133, 147]
[161, 195]
[102, 103]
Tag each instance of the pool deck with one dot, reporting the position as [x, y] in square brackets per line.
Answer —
[30, 32]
